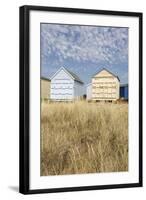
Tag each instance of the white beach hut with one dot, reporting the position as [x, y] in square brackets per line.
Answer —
[65, 85]
[89, 91]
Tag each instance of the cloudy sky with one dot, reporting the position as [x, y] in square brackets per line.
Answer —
[84, 50]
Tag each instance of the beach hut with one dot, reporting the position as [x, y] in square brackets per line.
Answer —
[105, 86]
[124, 91]
[45, 88]
[66, 86]
[89, 91]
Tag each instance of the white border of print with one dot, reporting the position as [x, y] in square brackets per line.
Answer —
[132, 176]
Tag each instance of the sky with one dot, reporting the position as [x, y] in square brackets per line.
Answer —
[84, 50]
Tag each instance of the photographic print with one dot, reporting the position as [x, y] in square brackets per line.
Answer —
[80, 99]
[84, 99]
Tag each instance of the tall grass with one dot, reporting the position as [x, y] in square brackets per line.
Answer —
[83, 137]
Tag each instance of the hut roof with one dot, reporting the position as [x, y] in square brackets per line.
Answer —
[107, 71]
[73, 75]
[76, 78]
[124, 85]
[44, 78]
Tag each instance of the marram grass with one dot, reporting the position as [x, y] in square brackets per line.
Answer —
[82, 137]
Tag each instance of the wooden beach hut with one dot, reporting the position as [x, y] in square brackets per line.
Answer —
[124, 91]
[105, 86]
[45, 88]
[66, 86]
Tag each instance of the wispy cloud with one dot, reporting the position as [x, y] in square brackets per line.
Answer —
[84, 43]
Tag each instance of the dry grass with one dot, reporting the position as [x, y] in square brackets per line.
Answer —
[83, 137]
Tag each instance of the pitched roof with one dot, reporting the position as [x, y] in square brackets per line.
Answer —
[76, 78]
[46, 79]
[73, 75]
[107, 71]
[88, 84]
[124, 85]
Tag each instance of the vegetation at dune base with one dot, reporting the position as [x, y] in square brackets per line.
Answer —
[82, 137]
